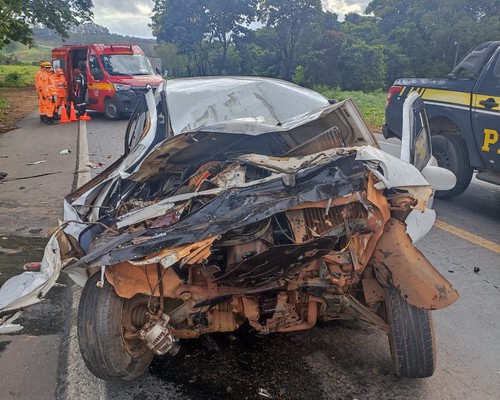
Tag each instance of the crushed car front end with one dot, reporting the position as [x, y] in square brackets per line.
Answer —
[245, 201]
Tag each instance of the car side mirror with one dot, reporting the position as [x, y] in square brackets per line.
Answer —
[439, 178]
[157, 70]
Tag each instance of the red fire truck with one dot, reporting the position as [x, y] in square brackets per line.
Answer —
[117, 74]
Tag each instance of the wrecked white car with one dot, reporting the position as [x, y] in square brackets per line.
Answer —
[251, 201]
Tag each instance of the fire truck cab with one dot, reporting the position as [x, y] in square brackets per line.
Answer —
[117, 74]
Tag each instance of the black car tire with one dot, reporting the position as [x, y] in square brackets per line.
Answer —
[111, 110]
[411, 337]
[100, 335]
[451, 153]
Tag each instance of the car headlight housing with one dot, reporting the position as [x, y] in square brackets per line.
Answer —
[119, 87]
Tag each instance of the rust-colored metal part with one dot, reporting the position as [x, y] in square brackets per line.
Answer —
[373, 290]
[409, 271]
[193, 253]
[312, 316]
[128, 280]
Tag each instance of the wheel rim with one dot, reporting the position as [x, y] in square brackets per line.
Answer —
[111, 110]
[442, 159]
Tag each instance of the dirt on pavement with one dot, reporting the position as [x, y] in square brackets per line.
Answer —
[20, 102]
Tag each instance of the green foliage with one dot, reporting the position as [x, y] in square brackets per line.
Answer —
[17, 76]
[364, 65]
[173, 62]
[372, 104]
[291, 20]
[431, 32]
[18, 54]
[298, 76]
[3, 103]
[17, 17]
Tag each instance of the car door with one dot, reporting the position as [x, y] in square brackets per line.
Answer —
[94, 77]
[486, 113]
[415, 137]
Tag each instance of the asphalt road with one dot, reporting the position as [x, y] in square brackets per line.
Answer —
[330, 361]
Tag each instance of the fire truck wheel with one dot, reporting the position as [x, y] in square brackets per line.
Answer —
[411, 337]
[451, 153]
[105, 326]
[111, 110]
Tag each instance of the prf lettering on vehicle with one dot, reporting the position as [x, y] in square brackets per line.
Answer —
[490, 137]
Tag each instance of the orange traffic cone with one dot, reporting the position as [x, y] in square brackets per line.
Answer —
[64, 115]
[72, 113]
[85, 117]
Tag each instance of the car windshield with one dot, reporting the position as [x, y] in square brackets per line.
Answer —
[126, 64]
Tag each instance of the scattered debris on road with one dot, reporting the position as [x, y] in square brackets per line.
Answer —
[37, 162]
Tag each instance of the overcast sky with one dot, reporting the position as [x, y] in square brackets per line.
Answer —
[131, 17]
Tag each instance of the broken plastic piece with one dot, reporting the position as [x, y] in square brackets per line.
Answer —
[7, 326]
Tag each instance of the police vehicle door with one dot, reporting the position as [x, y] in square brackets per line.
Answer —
[486, 113]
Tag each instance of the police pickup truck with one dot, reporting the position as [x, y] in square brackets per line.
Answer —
[464, 116]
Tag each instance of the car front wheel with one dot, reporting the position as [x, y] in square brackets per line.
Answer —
[105, 323]
[411, 337]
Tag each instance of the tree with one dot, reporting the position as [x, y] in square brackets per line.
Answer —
[171, 60]
[18, 17]
[259, 51]
[290, 18]
[317, 52]
[432, 34]
[363, 66]
[193, 26]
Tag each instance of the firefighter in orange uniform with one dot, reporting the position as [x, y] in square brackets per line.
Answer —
[49, 94]
[62, 91]
[38, 86]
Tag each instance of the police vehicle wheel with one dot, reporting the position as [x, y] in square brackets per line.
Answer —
[411, 337]
[103, 317]
[111, 110]
[451, 153]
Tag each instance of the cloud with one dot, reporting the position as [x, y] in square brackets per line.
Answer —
[343, 7]
[127, 17]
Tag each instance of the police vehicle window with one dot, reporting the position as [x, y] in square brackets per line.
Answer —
[496, 70]
[95, 68]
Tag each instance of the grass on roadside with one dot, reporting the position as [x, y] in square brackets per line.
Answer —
[3, 103]
[372, 104]
[17, 75]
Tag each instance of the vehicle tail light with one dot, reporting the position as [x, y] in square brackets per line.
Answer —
[392, 90]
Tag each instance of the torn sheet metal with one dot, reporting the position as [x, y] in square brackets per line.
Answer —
[409, 271]
[31, 287]
[237, 207]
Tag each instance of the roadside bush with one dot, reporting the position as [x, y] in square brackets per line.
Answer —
[17, 75]
[14, 79]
